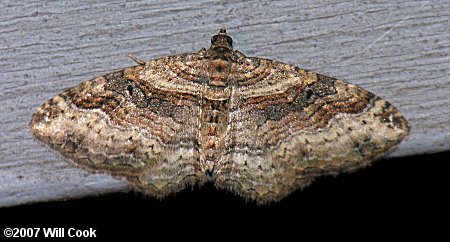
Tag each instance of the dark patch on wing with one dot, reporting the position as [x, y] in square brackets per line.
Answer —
[117, 82]
[165, 108]
[324, 86]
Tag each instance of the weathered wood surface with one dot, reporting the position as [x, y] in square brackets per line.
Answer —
[399, 50]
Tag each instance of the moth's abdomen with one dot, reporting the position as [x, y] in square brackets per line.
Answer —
[213, 132]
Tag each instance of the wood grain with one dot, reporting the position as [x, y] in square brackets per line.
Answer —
[397, 50]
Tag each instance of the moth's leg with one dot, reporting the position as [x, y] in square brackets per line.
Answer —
[137, 60]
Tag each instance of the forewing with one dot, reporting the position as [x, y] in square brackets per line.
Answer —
[131, 123]
[291, 125]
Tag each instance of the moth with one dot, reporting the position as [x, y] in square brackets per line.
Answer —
[257, 127]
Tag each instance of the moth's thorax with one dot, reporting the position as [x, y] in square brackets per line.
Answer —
[218, 73]
[219, 59]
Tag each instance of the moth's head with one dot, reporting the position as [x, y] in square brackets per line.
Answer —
[221, 41]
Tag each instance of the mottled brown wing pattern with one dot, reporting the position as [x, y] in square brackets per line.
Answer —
[254, 126]
[127, 123]
[292, 125]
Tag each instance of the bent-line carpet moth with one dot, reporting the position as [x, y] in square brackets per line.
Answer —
[257, 127]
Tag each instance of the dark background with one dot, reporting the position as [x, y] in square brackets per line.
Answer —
[396, 198]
